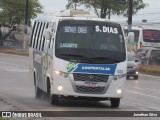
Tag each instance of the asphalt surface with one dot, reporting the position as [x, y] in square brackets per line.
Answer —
[15, 86]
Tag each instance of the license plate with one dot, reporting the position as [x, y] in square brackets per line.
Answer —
[90, 84]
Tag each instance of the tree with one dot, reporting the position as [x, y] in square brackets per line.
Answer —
[103, 7]
[74, 3]
[13, 12]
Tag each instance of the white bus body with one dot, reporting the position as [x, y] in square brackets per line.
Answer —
[66, 60]
[145, 37]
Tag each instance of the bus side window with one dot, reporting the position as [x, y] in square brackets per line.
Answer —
[32, 36]
[36, 35]
[41, 37]
[43, 41]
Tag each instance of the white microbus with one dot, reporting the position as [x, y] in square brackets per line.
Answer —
[146, 36]
[68, 58]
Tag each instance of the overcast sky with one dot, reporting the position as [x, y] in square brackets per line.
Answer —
[152, 12]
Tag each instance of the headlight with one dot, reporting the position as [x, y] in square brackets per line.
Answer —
[64, 74]
[119, 91]
[58, 72]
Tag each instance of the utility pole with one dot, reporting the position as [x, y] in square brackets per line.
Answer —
[26, 14]
[26, 25]
[130, 15]
[75, 5]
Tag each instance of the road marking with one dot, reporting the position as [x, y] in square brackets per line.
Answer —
[145, 89]
[16, 70]
[157, 78]
[12, 64]
[144, 94]
[14, 55]
[140, 105]
[133, 104]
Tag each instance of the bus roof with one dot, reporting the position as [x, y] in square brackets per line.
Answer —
[71, 14]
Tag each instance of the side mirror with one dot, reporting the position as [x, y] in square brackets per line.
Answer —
[46, 45]
[130, 37]
[47, 34]
[144, 54]
[136, 60]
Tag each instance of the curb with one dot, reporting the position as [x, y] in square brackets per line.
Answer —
[157, 77]
[14, 55]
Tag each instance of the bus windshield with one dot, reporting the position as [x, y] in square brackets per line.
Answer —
[151, 35]
[90, 41]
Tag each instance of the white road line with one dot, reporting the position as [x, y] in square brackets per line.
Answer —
[17, 70]
[144, 94]
[13, 55]
[12, 64]
[140, 105]
[157, 78]
[14, 69]
[145, 89]
[133, 104]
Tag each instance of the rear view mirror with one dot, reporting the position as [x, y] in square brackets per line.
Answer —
[136, 60]
[144, 54]
[46, 45]
[47, 34]
[130, 37]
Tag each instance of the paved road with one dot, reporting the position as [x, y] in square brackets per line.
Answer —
[15, 85]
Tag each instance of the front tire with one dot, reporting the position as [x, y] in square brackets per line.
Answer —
[115, 102]
[54, 99]
[136, 77]
[37, 92]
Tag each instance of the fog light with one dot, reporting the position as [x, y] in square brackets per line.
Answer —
[119, 91]
[136, 72]
[60, 88]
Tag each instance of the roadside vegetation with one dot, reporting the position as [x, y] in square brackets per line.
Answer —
[13, 51]
[149, 69]
[105, 8]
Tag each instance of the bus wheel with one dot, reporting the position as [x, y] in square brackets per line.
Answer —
[37, 92]
[136, 77]
[54, 99]
[115, 102]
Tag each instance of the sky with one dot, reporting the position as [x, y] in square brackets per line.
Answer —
[151, 12]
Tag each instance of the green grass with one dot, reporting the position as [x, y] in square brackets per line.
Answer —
[150, 69]
[13, 51]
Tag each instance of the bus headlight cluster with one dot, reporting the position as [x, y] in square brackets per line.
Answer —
[116, 77]
[64, 74]
[60, 88]
[119, 91]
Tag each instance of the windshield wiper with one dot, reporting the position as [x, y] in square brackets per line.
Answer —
[80, 56]
[105, 58]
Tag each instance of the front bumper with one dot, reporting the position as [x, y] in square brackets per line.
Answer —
[132, 71]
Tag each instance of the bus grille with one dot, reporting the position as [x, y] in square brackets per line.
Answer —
[93, 90]
[90, 77]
